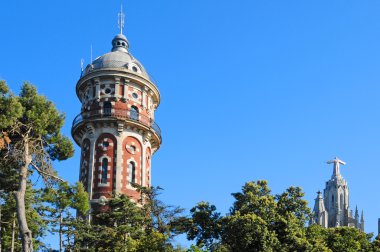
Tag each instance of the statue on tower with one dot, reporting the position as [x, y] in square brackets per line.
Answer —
[336, 161]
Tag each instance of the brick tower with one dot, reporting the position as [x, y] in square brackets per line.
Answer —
[115, 129]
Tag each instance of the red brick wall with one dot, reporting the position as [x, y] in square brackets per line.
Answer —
[101, 152]
[85, 162]
[128, 156]
[148, 156]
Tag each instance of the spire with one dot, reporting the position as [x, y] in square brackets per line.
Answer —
[336, 161]
[121, 19]
[319, 204]
[356, 213]
[120, 42]
[362, 218]
[319, 212]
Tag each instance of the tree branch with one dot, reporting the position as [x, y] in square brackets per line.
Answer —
[45, 173]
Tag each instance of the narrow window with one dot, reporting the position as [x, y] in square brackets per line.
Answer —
[104, 171]
[107, 108]
[132, 172]
[121, 90]
[134, 113]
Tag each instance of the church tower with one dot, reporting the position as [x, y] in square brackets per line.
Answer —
[333, 209]
[116, 129]
[336, 196]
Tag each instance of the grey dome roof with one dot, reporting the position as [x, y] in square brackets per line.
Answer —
[119, 57]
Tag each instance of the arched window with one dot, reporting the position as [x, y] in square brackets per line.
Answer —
[332, 201]
[107, 108]
[134, 113]
[341, 201]
[131, 172]
[104, 171]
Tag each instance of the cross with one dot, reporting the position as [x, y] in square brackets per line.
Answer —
[336, 161]
[121, 19]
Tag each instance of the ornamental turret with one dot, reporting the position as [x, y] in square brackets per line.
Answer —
[319, 215]
[116, 129]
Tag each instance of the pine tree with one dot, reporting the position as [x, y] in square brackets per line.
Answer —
[32, 124]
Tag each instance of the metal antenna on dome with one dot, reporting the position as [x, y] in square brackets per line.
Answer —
[120, 20]
[82, 64]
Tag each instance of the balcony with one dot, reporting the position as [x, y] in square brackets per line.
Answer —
[119, 114]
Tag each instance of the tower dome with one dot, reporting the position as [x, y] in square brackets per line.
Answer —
[119, 57]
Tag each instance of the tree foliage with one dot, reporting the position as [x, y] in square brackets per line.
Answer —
[32, 126]
[261, 221]
[124, 225]
[60, 203]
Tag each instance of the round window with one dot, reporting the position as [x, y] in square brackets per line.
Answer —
[106, 144]
[135, 69]
[135, 95]
[107, 91]
[131, 148]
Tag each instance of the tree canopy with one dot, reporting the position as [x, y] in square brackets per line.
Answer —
[31, 126]
[261, 221]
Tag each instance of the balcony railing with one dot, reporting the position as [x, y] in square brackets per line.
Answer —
[118, 113]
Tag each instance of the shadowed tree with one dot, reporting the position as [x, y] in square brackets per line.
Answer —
[33, 125]
[204, 225]
[62, 200]
[164, 218]
[124, 225]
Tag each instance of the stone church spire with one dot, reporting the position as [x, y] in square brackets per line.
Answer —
[320, 215]
[333, 207]
[362, 221]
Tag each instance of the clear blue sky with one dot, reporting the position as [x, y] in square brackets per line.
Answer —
[250, 89]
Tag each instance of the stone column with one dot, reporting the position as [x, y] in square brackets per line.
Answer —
[117, 87]
[91, 166]
[97, 88]
[119, 161]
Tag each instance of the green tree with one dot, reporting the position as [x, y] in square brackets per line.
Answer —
[348, 239]
[248, 232]
[261, 221]
[33, 125]
[258, 221]
[62, 200]
[10, 231]
[204, 226]
[317, 237]
[253, 216]
[376, 244]
[292, 215]
[121, 225]
[163, 218]
[124, 225]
